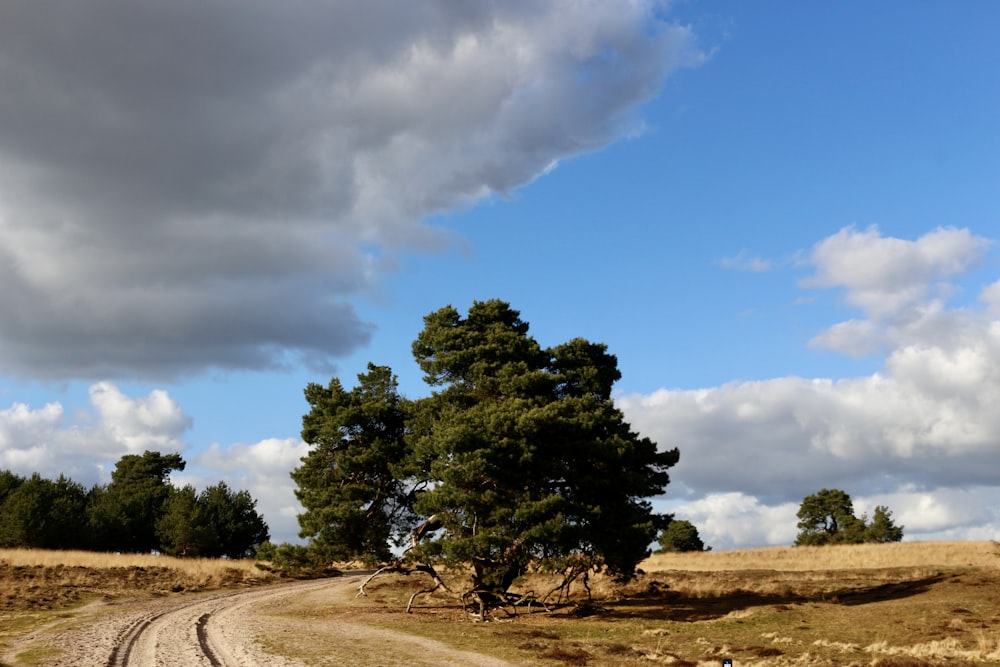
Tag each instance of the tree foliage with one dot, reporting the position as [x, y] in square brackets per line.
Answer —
[827, 517]
[519, 456]
[44, 514]
[882, 528]
[681, 535]
[183, 528]
[353, 484]
[125, 513]
[217, 522]
[236, 527]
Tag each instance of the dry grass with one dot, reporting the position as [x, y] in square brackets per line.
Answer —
[901, 605]
[38, 579]
[195, 567]
[897, 605]
[833, 557]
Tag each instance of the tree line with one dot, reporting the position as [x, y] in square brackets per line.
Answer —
[825, 517]
[138, 511]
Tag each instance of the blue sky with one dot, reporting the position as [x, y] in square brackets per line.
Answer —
[782, 218]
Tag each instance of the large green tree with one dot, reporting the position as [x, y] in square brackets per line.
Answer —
[354, 484]
[518, 457]
[530, 460]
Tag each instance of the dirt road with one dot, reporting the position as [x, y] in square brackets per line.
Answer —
[232, 629]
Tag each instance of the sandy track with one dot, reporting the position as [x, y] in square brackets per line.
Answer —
[210, 631]
[220, 630]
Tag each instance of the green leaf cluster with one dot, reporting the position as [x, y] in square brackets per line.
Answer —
[519, 456]
[827, 517]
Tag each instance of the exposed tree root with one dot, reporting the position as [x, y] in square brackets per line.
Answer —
[399, 565]
[570, 574]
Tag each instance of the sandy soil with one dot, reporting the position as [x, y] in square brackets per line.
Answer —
[232, 629]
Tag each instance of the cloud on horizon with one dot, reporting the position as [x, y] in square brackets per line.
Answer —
[86, 445]
[187, 185]
[918, 432]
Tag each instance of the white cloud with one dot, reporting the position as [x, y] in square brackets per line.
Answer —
[917, 432]
[155, 422]
[743, 262]
[991, 296]
[953, 510]
[735, 520]
[884, 276]
[263, 469]
[218, 196]
[86, 446]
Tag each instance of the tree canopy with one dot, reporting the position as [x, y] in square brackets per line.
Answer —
[827, 517]
[519, 456]
[126, 511]
[353, 484]
[681, 535]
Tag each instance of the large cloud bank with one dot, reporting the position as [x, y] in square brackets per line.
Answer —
[187, 185]
[922, 436]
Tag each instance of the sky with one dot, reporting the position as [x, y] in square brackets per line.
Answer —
[781, 217]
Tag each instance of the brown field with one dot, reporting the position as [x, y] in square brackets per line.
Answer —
[897, 605]
[37, 579]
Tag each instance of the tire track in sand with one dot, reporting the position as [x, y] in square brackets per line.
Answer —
[190, 634]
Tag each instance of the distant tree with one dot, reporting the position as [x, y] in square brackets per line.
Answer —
[882, 528]
[235, 528]
[681, 535]
[183, 528]
[217, 522]
[353, 484]
[44, 514]
[24, 512]
[295, 559]
[124, 514]
[138, 511]
[8, 482]
[68, 515]
[828, 517]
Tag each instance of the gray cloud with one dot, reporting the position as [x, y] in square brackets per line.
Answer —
[189, 184]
